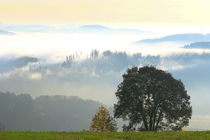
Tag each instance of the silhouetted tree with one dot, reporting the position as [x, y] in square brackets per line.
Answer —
[151, 99]
[103, 122]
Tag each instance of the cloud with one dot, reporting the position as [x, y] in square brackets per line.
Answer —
[170, 65]
[35, 75]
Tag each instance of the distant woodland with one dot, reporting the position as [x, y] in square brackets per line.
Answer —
[45, 113]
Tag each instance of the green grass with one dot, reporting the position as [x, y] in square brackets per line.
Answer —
[200, 135]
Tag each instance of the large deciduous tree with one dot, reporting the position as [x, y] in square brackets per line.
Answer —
[151, 99]
[103, 122]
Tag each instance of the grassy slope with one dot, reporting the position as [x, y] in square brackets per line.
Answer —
[204, 135]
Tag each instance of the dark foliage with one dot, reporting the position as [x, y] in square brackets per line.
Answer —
[45, 113]
[151, 100]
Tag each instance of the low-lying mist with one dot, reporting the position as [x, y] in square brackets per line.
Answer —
[96, 77]
[38, 64]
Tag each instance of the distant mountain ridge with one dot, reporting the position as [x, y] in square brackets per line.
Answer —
[184, 38]
[12, 63]
[3, 32]
[198, 45]
[100, 28]
[68, 28]
[94, 27]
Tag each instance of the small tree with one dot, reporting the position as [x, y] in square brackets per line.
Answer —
[103, 122]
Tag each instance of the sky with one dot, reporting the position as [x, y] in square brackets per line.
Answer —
[51, 30]
[106, 12]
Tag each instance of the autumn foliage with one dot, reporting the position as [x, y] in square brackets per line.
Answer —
[103, 122]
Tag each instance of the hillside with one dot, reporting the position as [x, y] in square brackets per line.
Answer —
[183, 38]
[45, 113]
[198, 45]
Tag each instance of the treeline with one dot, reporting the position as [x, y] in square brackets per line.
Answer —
[103, 62]
[109, 61]
[45, 113]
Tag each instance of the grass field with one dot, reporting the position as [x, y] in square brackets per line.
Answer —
[202, 135]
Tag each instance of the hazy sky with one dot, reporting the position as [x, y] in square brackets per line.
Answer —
[126, 12]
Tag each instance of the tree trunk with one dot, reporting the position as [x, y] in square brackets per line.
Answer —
[144, 118]
[158, 121]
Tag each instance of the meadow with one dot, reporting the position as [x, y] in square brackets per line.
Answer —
[196, 135]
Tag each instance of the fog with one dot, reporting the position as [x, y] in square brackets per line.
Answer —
[90, 65]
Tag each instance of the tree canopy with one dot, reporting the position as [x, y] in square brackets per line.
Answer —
[103, 122]
[151, 99]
